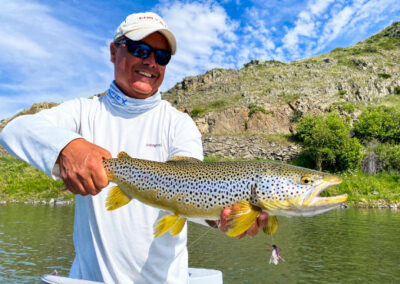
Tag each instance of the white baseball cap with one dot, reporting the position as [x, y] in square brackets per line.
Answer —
[138, 26]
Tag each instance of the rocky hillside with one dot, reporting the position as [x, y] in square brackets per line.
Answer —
[245, 113]
[365, 72]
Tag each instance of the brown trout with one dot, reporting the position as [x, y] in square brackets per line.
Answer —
[193, 189]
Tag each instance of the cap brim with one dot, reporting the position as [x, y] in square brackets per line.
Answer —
[142, 33]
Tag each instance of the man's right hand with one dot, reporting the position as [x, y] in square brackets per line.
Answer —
[81, 167]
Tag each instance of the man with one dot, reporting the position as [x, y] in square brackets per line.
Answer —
[71, 140]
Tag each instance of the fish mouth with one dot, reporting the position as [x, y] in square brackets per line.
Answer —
[312, 198]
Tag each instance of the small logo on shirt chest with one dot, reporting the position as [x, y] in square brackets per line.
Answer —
[153, 145]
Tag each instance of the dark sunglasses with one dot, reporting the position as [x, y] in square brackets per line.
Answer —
[143, 50]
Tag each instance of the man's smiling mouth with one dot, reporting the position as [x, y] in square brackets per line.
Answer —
[148, 75]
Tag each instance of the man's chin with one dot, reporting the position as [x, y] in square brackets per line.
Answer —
[141, 90]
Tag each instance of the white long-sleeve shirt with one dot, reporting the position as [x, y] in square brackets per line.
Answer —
[112, 246]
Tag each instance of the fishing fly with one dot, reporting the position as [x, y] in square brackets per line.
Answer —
[275, 256]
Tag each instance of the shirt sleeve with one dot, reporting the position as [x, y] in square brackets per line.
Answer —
[186, 140]
[39, 138]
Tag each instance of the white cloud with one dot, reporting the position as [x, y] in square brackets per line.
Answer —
[324, 22]
[204, 34]
[306, 26]
[43, 57]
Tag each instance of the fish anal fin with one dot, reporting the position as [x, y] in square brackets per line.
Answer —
[123, 154]
[172, 223]
[178, 226]
[272, 225]
[175, 159]
[116, 198]
[243, 214]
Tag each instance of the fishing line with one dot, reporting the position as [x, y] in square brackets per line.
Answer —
[189, 245]
[195, 241]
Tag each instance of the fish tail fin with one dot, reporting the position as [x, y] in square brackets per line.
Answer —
[172, 223]
[272, 225]
[116, 198]
[242, 216]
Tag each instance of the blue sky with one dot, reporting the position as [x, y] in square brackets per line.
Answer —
[55, 50]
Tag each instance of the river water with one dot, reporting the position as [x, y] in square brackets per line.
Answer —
[341, 246]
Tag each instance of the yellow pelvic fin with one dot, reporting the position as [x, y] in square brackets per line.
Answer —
[116, 198]
[178, 226]
[242, 216]
[172, 223]
[123, 154]
[272, 225]
[182, 159]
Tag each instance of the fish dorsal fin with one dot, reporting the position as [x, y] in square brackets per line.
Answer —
[272, 225]
[243, 214]
[116, 198]
[177, 159]
[123, 154]
[172, 223]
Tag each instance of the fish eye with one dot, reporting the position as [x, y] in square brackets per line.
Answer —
[306, 180]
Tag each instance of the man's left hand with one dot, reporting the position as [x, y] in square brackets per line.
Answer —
[259, 223]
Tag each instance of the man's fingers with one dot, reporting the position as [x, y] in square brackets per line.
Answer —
[241, 236]
[99, 178]
[262, 220]
[106, 154]
[224, 219]
[253, 230]
[89, 186]
[75, 187]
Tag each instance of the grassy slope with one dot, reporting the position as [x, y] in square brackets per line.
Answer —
[22, 182]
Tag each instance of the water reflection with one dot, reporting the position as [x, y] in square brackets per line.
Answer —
[341, 246]
[34, 240]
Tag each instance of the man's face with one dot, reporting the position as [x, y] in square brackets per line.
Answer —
[135, 77]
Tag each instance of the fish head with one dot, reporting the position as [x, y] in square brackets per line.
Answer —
[294, 191]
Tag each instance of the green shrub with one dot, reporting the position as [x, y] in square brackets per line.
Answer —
[342, 106]
[381, 123]
[384, 75]
[197, 111]
[388, 156]
[296, 116]
[253, 108]
[217, 104]
[397, 90]
[326, 141]
[341, 93]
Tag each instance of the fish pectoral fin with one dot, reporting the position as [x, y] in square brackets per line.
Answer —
[272, 225]
[275, 204]
[243, 214]
[116, 198]
[177, 159]
[172, 223]
[123, 154]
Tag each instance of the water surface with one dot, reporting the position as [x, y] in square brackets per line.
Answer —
[341, 246]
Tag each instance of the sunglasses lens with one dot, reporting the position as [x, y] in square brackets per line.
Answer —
[143, 51]
[140, 50]
[162, 57]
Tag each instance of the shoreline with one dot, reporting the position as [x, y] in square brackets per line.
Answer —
[371, 204]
